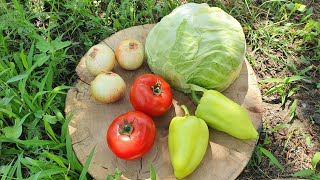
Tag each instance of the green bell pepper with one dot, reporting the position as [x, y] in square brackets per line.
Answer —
[222, 114]
[188, 140]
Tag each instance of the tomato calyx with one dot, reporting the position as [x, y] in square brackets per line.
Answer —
[126, 128]
[157, 88]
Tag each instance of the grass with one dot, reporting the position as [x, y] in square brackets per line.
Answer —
[40, 45]
[41, 42]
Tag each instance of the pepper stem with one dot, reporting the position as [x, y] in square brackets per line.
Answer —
[126, 128]
[185, 109]
[195, 97]
[157, 89]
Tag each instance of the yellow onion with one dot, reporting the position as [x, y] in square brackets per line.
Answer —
[108, 87]
[100, 58]
[130, 54]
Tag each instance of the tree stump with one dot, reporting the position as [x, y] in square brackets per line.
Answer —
[225, 157]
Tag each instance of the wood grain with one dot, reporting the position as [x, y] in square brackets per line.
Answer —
[225, 158]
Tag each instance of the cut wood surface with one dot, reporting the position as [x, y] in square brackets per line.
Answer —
[225, 158]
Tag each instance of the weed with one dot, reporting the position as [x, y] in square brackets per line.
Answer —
[310, 173]
[117, 174]
[284, 87]
[261, 151]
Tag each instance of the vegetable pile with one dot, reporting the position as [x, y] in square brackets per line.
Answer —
[194, 48]
[130, 135]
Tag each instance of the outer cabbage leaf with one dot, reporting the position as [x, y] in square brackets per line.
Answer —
[196, 45]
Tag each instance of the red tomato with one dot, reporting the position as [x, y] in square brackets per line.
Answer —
[151, 94]
[131, 135]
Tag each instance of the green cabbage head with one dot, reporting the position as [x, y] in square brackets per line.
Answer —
[196, 46]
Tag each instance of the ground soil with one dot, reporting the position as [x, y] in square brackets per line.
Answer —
[295, 146]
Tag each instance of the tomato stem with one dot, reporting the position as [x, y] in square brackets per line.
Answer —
[157, 88]
[126, 128]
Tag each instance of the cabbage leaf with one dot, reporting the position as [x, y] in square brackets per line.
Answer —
[196, 46]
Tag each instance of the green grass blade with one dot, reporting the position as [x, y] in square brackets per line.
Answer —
[86, 165]
[19, 171]
[60, 88]
[32, 166]
[153, 175]
[305, 70]
[74, 163]
[21, 121]
[58, 159]
[27, 142]
[3, 42]
[17, 78]
[46, 174]
[69, 149]
[35, 176]
[4, 71]
[303, 173]
[274, 89]
[18, 62]
[282, 126]
[27, 99]
[6, 100]
[49, 101]
[57, 44]
[48, 78]
[30, 55]
[50, 132]
[308, 140]
[58, 146]
[9, 113]
[43, 45]
[24, 60]
[55, 91]
[292, 91]
[39, 94]
[272, 158]
[109, 9]
[12, 171]
[11, 151]
[50, 119]
[6, 171]
[13, 71]
[315, 160]
[17, 6]
[40, 59]
[64, 129]
[58, 114]
[15, 167]
[295, 78]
